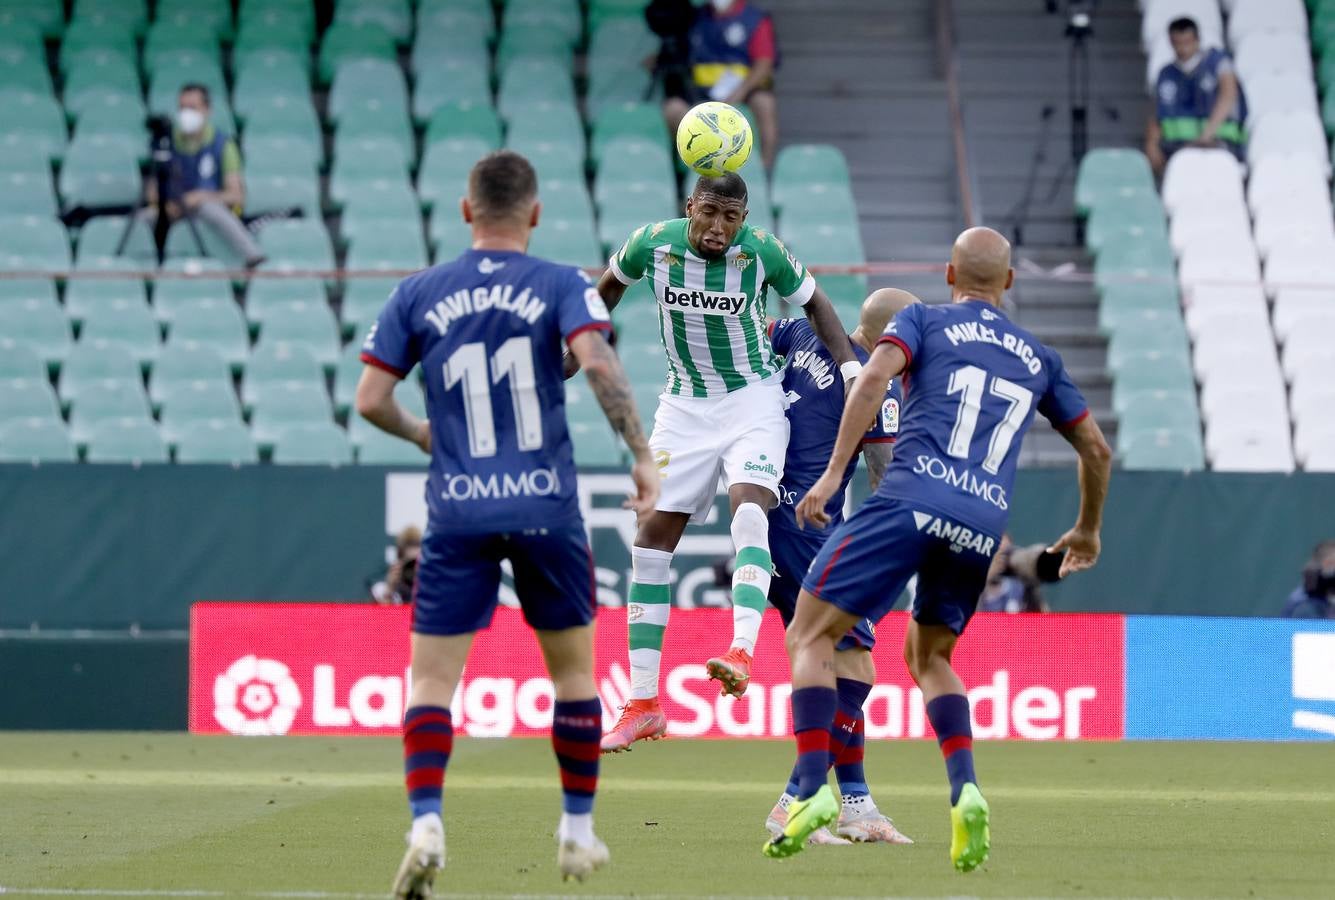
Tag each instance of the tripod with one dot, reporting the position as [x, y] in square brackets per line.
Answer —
[160, 157]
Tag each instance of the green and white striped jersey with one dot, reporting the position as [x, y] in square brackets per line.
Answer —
[711, 312]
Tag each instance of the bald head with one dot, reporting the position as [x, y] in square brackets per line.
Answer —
[881, 306]
[980, 265]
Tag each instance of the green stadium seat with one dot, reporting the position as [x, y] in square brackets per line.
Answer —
[448, 233]
[363, 299]
[602, 10]
[1141, 217]
[820, 244]
[255, 39]
[533, 43]
[526, 82]
[369, 226]
[568, 243]
[360, 84]
[1151, 370]
[445, 167]
[283, 404]
[19, 157]
[276, 193]
[36, 440]
[101, 235]
[1180, 398]
[115, 118]
[564, 200]
[1125, 347]
[184, 363]
[347, 373]
[47, 16]
[182, 243]
[309, 325]
[274, 363]
[472, 20]
[132, 441]
[1144, 295]
[1129, 263]
[1175, 449]
[17, 290]
[384, 122]
[322, 444]
[24, 398]
[87, 297]
[38, 323]
[92, 361]
[267, 294]
[387, 252]
[276, 74]
[1130, 320]
[353, 172]
[100, 171]
[610, 87]
[379, 449]
[31, 241]
[461, 120]
[551, 160]
[25, 74]
[187, 404]
[596, 444]
[109, 398]
[296, 244]
[130, 323]
[219, 325]
[346, 41]
[624, 42]
[630, 158]
[18, 360]
[615, 225]
[561, 17]
[219, 442]
[280, 157]
[173, 42]
[90, 87]
[1109, 170]
[798, 165]
[34, 120]
[188, 282]
[87, 35]
[555, 122]
[285, 116]
[133, 13]
[639, 120]
[388, 199]
[846, 292]
[394, 16]
[829, 204]
[449, 83]
[215, 15]
[29, 195]
[648, 201]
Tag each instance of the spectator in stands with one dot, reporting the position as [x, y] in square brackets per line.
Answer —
[1315, 597]
[396, 588]
[204, 178]
[732, 55]
[1015, 576]
[1199, 102]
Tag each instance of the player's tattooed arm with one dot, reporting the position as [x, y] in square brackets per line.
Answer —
[878, 457]
[376, 404]
[611, 290]
[825, 322]
[610, 385]
[1081, 543]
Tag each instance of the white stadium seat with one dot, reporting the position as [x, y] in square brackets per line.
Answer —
[1211, 265]
[1321, 459]
[1201, 223]
[1308, 351]
[1158, 13]
[1254, 16]
[1198, 177]
[1225, 296]
[1297, 303]
[1263, 404]
[1277, 92]
[1223, 354]
[1299, 266]
[1293, 133]
[1267, 51]
[1294, 222]
[1280, 177]
[1291, 321]
[1204, 320]
[1311, 400]
[1314, 440]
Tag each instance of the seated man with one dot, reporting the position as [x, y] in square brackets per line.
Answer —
[204, 179]
[1199, 102]
[1315, 597]
[732, 56]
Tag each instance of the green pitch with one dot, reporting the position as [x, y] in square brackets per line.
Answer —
[170, 815]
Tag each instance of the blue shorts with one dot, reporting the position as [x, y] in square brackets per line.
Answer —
[792, 553]
[459, 577]
[870, 558]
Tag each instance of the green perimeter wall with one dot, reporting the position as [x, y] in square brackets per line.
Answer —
[108, 546]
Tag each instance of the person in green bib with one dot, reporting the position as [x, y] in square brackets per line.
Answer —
[1198, 100]
[720, 416]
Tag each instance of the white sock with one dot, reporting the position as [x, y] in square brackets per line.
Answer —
[648, 605]
[862, 804]
[751, 578]
[577, 827]
[430, 822]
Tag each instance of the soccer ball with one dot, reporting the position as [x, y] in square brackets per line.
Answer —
[714, 138]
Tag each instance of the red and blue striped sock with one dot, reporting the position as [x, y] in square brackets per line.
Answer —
[849, 734]
[949, 715]
[577, 727]
[428, 737]
[813, 712]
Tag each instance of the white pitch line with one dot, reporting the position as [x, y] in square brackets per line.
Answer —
[346, 895]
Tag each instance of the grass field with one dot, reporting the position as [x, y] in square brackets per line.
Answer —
[170, 815]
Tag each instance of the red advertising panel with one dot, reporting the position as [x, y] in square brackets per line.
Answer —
[284, 668]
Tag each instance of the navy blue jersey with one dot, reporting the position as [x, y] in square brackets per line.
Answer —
[973, 382]
[487, 329]
[815, 395]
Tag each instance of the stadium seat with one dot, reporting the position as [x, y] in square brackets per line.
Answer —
[525, 82]
[1271, 93]
[821, 203]
[363, 299]
[127, 322]
[255, 39]
[387, 252]
[1249, 17]
[1105, 171]
[385, 122]
[1162, 448]
[1265, 52]
[171, 294]
[36, 440]
[345, 41]
[16, 290]
[458, 120]
[523, 43]
[568, 243]
[27, 195]
[322, 444]
[87, 37]
[183, 364]
[171, 42]
[1286, 179]
[560, 16]
[1228, 227]
[22, 158]
[18, 360]
[624, 42]
[101, 236]
[215, 324]
[1297, 266]
[1196, 176]
[1303, 309]
[274, 363]
[268, 76]
[33, 241]
[1308, 351]
[631, 159]
[264, 295]
[279, 193]
[100, 171]
[596, 444]
[296, 244]
[47, 17]
[214, 15]
[347, 373]
[799, 164]
[99, 401]
[285, 116]
[26, 398]
[281, 157]
[1208, 263]
[40, 324]
[450, 82]
[33, 119]
[394, 16]
[217, 441]
[445, 167]
[90, 298]
[472, 24]
[129, 440]
[188, 403]
[1297, 132]
[309, 325]
[361, 84]
[92, 360]
[821, 244]
[640, 120]
[379, 449]
[280, 405]
[448, 234]
[384, 199]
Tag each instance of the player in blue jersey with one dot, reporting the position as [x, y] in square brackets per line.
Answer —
[972, 382]
[488, 330]
[815, 395]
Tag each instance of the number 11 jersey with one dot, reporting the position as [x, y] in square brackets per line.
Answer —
[487, 329]
[973, 383]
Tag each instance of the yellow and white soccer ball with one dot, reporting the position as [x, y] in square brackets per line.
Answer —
[714, 138]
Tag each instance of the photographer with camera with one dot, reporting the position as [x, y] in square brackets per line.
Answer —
[1015, 576]
[1314, 598]
[396, 589]
[202, 176]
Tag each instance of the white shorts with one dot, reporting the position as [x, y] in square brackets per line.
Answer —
[742, 437]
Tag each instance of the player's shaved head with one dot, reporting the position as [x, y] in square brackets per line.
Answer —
[881, 306]
[980, 265]
[502, 187]
[728, 186]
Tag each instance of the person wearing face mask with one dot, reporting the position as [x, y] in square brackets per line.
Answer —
[204, 179]
[732, 57]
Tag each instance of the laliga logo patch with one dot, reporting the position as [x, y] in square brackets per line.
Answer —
[256, 697]
[369, 343]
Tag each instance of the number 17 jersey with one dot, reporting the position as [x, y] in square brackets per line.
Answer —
[972, 385]
[487, 329]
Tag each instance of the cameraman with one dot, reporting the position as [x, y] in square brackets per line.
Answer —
[1014, 577]
[1315, 597]
[204, 176]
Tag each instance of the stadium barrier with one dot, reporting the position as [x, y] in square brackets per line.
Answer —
[316, 669]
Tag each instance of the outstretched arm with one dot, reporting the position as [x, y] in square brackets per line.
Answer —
[825, 322]
[608, 380]
[376, 404]
[1081, 543]
[887, 361]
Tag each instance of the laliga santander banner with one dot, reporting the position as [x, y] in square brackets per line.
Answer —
[306, 668]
